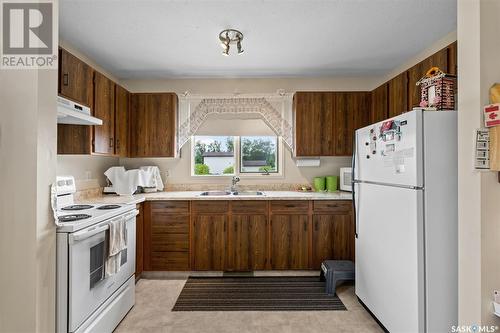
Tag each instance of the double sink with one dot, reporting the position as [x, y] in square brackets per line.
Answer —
[227, 193]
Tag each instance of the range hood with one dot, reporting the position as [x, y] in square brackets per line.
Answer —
[69, 112]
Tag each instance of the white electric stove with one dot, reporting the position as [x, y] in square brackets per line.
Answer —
[88, 299]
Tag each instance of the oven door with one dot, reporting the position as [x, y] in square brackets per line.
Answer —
[88, 285]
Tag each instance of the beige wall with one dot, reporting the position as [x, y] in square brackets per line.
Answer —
[85, 167]
[490, 188]
[479, 227]
[179, 169]
[27, 230]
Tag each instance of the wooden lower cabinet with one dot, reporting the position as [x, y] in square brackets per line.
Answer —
[290, 241]
[245, 235]
[333, 238]
[166, 236]
[247, 243]
[209, 242]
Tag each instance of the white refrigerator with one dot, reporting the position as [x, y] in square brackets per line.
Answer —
[405, 198]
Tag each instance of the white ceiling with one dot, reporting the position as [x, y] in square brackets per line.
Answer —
[174, 39]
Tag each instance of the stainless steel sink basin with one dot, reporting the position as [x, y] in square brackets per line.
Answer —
[215, 193]
[248, 193]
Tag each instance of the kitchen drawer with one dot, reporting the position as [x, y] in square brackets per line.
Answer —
[210, 206]
[332, 206]
[290, 206]
[170, 242]
[170, 207]
[170, 261]
[166, 223]
[245, 207]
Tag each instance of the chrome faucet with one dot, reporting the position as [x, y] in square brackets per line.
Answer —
[234, 181]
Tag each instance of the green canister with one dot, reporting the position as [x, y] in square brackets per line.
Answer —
[319, 184]
[331, 183]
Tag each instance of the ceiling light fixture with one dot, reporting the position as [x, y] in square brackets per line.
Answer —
[228, 37]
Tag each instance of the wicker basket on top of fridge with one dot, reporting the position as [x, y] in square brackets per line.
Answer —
[437, 90]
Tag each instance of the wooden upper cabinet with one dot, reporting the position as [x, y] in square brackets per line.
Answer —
[153, 118]
[75, 78]
[452, 59]
[352, 111]
[359, 103]
[438, 59]
[314, 119]
[290, 241]
[398, 95]
[74, 139]
[74, 83]
[379, 103]
[122, 97]
[104, 109]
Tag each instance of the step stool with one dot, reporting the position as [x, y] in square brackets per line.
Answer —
[333, 271]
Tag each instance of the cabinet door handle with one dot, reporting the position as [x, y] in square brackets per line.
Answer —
[117, 143]
[110, 142]
[65, 79]
[316, 226]
[290, 205]
[305, 226]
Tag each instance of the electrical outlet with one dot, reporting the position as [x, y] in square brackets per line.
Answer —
[167, 173]
[88, 175]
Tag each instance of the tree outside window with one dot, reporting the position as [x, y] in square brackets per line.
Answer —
[259, 154]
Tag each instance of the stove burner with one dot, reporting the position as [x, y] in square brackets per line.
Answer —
[73, 217]
[109, 207]
[77, 207]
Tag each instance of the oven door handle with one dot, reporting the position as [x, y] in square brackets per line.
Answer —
[84, 234]
[79, 236]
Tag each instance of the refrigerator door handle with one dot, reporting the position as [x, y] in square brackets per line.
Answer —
[355, 204]
[353, 177]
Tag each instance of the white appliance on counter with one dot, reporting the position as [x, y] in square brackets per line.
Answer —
[87, 299]
[345, 183]
[69, 112]
[405, 197]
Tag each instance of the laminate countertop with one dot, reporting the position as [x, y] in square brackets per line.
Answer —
[196, 195]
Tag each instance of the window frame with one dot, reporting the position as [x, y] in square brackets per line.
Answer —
[237, 156]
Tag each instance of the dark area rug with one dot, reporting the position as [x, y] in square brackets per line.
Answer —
[256, 294]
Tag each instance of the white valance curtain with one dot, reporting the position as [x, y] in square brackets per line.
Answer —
[274, 110]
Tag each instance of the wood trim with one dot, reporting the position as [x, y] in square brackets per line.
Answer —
[147, 236]
[229, 240]
[191, 236]
[269, 245]
[310, 235]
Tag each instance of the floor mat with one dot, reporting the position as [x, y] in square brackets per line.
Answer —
[256, 294]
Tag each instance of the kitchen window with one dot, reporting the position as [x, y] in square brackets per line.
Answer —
[246, 156]
[259, 154]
